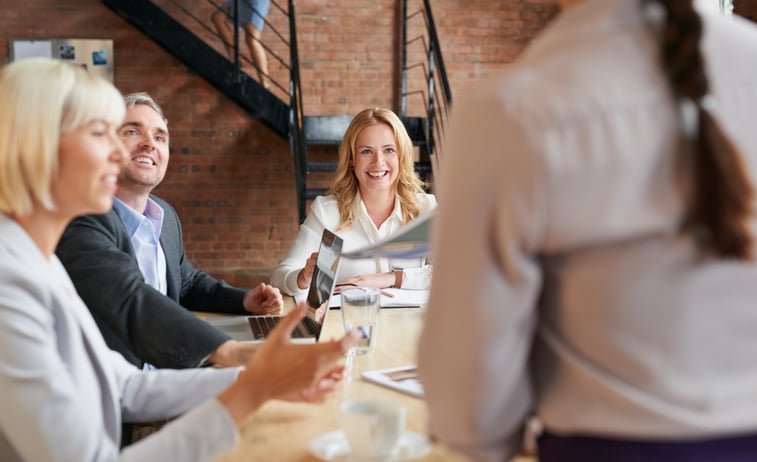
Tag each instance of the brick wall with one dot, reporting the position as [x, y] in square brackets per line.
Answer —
[230, 178]
[746, 8]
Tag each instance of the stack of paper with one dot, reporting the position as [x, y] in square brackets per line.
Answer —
[393, 298]
[403, 379]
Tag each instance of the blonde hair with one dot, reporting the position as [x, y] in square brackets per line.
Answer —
[345, 185]
[40, 99]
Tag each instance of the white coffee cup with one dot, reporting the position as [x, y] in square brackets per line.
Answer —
[373, 427]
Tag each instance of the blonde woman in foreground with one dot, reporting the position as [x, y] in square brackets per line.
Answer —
[64, 393]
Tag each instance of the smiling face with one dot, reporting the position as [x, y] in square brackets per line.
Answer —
[145, 135]
[375, 159]
[89, 164]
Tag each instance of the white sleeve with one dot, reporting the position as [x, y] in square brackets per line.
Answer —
[478, 328]
[309, 237]
[417, 278]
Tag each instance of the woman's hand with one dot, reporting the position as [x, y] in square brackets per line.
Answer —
[378, 280]
[281, 369]
[306, 273]
[263, 299]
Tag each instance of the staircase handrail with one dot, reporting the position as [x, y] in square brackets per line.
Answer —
[297, 144]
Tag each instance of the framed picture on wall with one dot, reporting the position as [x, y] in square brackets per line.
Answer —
[95, 55]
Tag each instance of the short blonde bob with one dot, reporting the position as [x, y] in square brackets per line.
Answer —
[345, 185]
[40, 99]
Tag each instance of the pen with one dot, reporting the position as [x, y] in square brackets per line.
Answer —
[387, 293]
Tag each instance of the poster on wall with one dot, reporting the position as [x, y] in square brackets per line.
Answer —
[95, 55]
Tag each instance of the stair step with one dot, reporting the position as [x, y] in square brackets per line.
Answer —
[328, 130]
[312, 193]
[317, 167]
[325, 130]
[423, 167]
[321, 166]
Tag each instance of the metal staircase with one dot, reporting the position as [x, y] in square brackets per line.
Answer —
[157, 20]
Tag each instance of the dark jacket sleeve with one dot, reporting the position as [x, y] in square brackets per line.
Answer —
[135, 319]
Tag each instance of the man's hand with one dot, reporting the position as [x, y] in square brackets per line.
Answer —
[263, 299]
[232, 353]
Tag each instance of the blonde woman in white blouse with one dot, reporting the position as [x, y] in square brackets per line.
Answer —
[375, 192]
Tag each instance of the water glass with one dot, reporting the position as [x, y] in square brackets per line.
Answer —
[360, 310]
[373, 427]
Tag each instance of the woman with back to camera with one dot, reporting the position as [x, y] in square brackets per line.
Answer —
[375, 192]
[64, 393]
[607, 272]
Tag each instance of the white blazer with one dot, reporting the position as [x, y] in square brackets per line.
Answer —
[65, 394]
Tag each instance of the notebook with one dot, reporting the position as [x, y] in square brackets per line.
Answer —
[256, 328]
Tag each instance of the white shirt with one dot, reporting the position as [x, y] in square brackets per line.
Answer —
[324, 213]
[561, 282]
[144, 234]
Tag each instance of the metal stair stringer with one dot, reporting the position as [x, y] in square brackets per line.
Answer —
[205, 61]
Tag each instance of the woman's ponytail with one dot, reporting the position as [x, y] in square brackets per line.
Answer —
[722, 195]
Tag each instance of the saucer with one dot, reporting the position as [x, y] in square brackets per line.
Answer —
[333, 446]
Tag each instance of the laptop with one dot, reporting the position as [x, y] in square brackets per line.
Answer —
[255, 328]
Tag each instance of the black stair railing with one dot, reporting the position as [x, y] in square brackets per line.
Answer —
[435, 92]
[297, 141]
[163, 24]
[196, 16]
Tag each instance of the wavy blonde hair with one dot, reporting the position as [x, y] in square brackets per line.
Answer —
[40, 99]
[345, 185]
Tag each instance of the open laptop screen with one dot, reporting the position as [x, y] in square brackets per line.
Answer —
[323, 280]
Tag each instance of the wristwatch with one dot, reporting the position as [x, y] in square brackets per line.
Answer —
[398, 274]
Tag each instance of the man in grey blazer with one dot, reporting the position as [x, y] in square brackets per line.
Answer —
[130, 269]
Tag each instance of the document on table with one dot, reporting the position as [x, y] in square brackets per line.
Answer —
[403, 379]
[392, 298]
[400, 298]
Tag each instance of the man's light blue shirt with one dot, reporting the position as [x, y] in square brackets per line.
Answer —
[144, 233]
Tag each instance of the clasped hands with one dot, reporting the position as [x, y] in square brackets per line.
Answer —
[378, 280]
[263, 299]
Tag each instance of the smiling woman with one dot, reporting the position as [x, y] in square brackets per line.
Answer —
[374, 192]
[88, 171]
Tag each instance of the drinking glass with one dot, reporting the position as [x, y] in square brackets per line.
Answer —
[360, 310]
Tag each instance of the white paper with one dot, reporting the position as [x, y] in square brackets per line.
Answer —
[410, 241]
[402, 298]
[403, 379]
[32, 49]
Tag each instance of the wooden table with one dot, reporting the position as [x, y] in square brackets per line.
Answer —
[281, 431]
